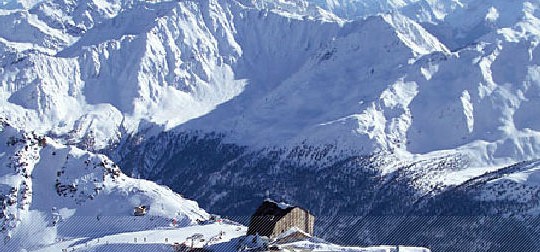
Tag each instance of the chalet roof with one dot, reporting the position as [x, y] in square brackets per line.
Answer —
[270, 207]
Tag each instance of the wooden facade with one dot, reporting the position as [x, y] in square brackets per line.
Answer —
[271, 220]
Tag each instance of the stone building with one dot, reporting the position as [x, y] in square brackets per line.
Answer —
[272, 218]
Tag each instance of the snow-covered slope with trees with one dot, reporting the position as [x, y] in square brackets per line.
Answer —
[422, 100]
[59, 198]
[50, 192]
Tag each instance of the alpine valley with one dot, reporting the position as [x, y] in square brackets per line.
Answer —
[400, 122]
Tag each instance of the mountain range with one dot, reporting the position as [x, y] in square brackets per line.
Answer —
[412, 113]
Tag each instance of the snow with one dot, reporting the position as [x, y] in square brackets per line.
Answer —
[283, 205]
[416, 79]
[157, 240]
[318, 246]
[91, 197]
[530, 176]
[492, 14]
[468, 109]
[117, 68]
[16, 4]
[415, 36]
[290, 232]
[97, 214]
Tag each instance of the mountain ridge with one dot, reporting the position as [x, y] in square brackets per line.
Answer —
[415, 97]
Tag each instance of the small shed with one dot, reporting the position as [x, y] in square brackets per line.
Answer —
[272, 219]
[139, 211]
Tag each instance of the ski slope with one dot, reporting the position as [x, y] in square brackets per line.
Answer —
[62, 192]
[60, 198]
[160, 239]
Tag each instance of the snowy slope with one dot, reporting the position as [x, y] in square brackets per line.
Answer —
[57, 197]
[156, 240]
[434, 93]
[62, 192]
[99, 71]
[88, 88]
[311, 246]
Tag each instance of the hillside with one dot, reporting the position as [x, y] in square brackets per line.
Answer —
[375, 108]
[107, 71]
[62, 192]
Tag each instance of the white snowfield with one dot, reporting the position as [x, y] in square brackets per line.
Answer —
[156, 240]
[64, 199]
[58, 192]
[422, 77]
[417, 79]
[314, 244]
[311, 246]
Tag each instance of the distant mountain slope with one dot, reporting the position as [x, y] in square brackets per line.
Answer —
[356, 199]
[390, 81]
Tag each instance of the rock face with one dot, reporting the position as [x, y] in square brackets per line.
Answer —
[355, 109]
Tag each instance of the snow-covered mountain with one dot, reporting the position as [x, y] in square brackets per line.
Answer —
[408, 103]
[60, 198]
[97, 71]
[51, 192]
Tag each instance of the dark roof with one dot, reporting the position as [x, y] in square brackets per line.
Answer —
[269, 207]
